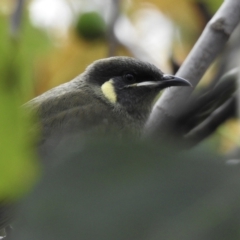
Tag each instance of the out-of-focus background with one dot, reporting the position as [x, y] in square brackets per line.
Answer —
[44, 43]
[59, 38]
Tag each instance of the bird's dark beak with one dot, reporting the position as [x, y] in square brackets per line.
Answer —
[170, 80]
[166, 81]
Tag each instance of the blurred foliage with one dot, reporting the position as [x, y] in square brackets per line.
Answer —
[136, 190]
[182, 12]
[75, 52]
[229, 134]
[91, 26]
[63, 64]
[185, 13]
[212, 5]
[18, 164]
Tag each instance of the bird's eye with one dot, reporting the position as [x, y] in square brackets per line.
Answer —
[129, 77]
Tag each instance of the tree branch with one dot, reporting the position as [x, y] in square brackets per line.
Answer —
[16, 18]
[208, 46]
[201, 106]
[207, 127]
[112, 41]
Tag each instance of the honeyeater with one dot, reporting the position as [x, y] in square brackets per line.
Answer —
[113, 95]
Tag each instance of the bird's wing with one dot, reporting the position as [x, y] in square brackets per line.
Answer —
[78, 118]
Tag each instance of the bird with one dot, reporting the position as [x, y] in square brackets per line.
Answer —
[113, 95]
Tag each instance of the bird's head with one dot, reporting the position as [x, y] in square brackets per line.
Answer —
[129, 82]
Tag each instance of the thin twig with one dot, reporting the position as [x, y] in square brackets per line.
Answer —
[201, 106]
[208, 126]
[112, 41]
[16, 18]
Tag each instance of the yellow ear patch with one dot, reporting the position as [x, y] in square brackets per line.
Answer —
[109, 91]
